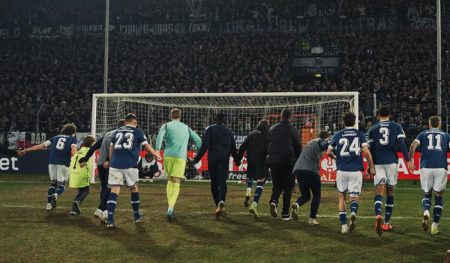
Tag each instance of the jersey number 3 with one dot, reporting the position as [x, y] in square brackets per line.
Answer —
[128, 144]
[353, 148]
[385, 133]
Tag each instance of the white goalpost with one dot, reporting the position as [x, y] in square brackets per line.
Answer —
[311, 112]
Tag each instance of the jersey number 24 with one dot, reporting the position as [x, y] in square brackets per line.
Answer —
[348, 147]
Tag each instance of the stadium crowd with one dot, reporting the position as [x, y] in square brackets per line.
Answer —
[47, 82]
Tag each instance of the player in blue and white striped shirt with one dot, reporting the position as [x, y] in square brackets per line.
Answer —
[433, 144]
[385, 138]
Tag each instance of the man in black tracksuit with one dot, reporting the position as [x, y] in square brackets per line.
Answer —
[6, 151]
[282, 152]
[256, 147]
[219, 141]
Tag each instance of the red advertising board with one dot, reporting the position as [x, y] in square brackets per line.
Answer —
[327, 168]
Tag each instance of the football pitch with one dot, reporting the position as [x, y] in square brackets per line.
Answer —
[30, 234]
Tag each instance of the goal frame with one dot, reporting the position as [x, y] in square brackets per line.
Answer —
[95, 97]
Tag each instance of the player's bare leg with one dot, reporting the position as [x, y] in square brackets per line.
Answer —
[343, 213]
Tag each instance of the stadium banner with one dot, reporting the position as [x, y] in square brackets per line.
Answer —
[162, 29]
[250, 25]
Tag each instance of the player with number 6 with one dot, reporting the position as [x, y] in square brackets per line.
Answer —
[63, 146]
[347, 146]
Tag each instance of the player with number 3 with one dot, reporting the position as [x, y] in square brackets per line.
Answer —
[63, 146]
[385, 138]
[346, 146]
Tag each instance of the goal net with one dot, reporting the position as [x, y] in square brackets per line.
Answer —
[311, 113]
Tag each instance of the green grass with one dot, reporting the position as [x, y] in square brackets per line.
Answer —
[30, 234]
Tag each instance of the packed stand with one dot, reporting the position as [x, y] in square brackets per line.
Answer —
[47, 82]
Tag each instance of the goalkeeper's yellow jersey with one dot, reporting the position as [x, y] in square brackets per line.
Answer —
[79, 176]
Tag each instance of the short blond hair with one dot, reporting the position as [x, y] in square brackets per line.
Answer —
[175, 114]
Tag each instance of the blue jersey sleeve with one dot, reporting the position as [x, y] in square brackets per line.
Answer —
[362, 139]
[333, 142]
[419, 138]
[400, 132]
[371, 135]
[74, 140]
[323, 144]
[113, 138]
[140, 137]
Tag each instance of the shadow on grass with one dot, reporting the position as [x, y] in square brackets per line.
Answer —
[139, 243]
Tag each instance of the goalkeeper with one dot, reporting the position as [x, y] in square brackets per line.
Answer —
[175, 136]
[80, 175]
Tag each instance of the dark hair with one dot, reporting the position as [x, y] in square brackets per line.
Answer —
[88, 141]
[263, 125]
[435, 121]
[69, 129]
[130, 117]
[323, 134]
[349, 119]
[384, 111]
[121, 123]
[285, 114]
[175, 113]
[220, 117]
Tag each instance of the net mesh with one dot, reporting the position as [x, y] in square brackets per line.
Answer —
[311, 112]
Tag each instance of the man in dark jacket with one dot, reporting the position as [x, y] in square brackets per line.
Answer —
[256, 147]
[307, 171]
[6, 151]
[282, 152]
[219, 141]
